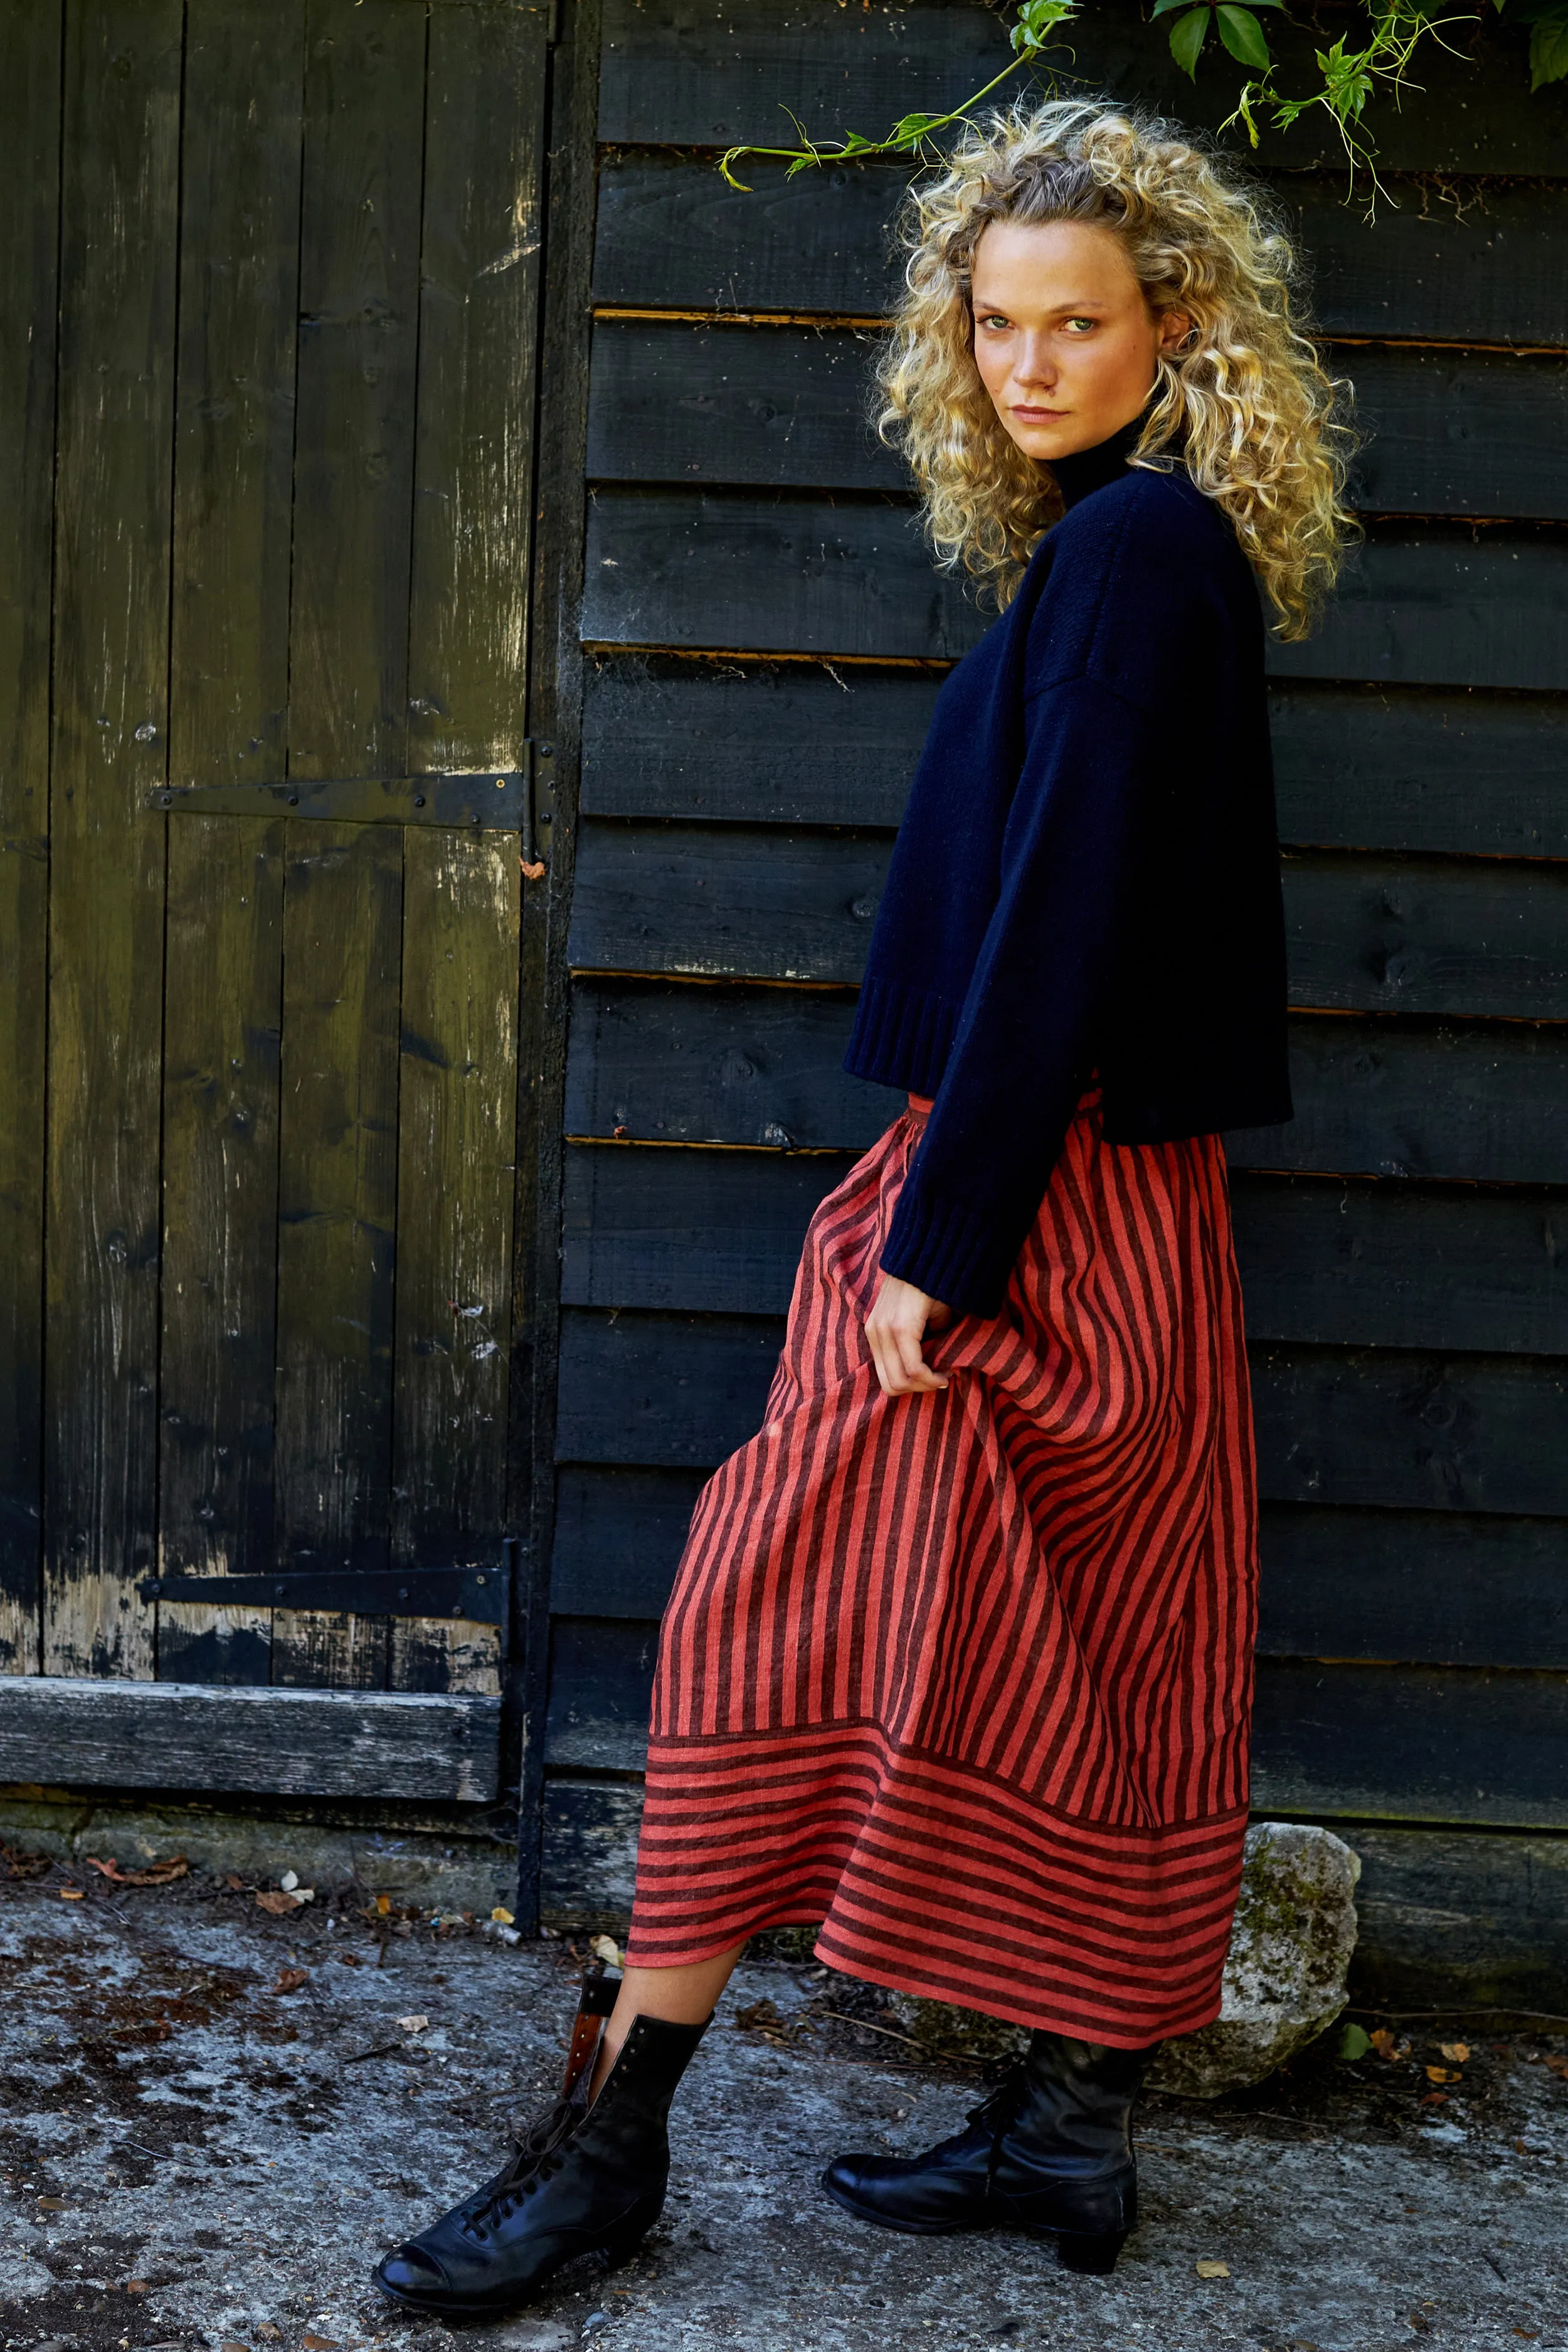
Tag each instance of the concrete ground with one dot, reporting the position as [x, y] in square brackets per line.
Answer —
[213, 2119]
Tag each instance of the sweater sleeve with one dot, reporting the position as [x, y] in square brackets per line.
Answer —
[1027, 1037]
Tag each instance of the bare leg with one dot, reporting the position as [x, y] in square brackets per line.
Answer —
[682, 1996]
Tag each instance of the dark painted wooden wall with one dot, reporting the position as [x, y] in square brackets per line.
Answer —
[763, 636]
[270, 274]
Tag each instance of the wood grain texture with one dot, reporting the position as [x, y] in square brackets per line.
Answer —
[804, 743]
[480, 268]
[342, 922]
[705, 73]
[1441, 1588]
[1396, 1743]
[106, 912]
[239, 300]
[359, 304]
[1365, 934]
[682, 1063]
[619, 1537]
[1444, 1587]
[468, 652]
[234, 458]
[294, 1743]
[1474, 1920]
[30, 129]
[1478, 432]
[1341, 1260]
[457, 1115]
[588, 1855]
[672, 236]
[1387, 1428]
[1405, 1743]
[790, 574]
[222, 1031]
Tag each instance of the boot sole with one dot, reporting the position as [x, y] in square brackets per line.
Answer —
[613, 2250]
[1087, 2254]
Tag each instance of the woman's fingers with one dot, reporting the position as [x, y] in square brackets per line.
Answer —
[895, 1327]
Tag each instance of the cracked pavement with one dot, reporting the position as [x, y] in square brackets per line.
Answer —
[193, 2155]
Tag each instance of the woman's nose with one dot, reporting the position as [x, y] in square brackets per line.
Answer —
[1036, 361]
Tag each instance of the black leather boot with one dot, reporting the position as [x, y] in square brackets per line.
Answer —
[1049, 2152]
[584, 2179]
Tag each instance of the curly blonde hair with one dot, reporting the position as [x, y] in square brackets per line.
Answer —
[1260, 426]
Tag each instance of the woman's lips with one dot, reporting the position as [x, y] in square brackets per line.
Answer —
[1037, 416]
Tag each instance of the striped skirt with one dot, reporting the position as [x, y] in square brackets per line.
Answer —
[966, 1677]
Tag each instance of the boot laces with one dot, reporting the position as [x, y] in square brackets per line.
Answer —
[533, 2149]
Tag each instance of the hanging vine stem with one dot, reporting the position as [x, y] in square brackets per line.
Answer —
[1037, 21]
[1351, 74]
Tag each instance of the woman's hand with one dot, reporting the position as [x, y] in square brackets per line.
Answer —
[900, 1317]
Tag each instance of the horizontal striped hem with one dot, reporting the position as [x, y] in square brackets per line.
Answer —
[930, 1882]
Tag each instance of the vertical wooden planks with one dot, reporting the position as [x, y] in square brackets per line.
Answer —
[112, 599]
[457, 1120]
[358, 295]
[31, 130]
[359, 302]
[220, 1235]
[467, 686]
[337, 1206]
[478, 336]
[229, 691]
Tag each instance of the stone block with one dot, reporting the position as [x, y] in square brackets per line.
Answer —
[1284, 1977]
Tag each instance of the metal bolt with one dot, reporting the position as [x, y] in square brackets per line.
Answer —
[418, 800]
[500, 784]
[547, 750]
[293, 800]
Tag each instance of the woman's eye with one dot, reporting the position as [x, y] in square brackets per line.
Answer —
[1085, 324]
[993, 319]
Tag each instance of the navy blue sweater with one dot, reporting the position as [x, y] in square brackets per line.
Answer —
[1087, 878]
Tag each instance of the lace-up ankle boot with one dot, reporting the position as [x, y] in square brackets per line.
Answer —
[582, 2180]
[1049, 2152]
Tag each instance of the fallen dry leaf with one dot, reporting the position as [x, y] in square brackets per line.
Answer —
[53, 2205]
[502, 1917]
[273, 2334]
[1214, 2270]
[1443, 2074]
[138, 2286]
[414, 2024]
[348, 1960]
[1558, 2066]
[70, 1894]
[319, 2343]
[276, 1903]
[233, 2345]
[605, 1948]
[232, 1878]
[1433, 2099]
[157, 1874]
[384, 1903]
[1458, 2051]
[291, 1979]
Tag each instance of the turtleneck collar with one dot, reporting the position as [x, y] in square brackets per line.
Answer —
[1090, 469]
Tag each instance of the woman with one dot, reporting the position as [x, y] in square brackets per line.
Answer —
[958, 1661]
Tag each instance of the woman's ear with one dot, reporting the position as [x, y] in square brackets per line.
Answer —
[1175, 326]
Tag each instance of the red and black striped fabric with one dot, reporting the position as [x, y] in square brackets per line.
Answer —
[967, 1677]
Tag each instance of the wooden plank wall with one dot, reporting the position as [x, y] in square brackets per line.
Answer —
[764, 637]
[268, 462]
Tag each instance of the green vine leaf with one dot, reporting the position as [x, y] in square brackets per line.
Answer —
[1188, 34]
[1243, 36]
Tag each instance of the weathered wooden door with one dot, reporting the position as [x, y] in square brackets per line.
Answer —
[268, 438]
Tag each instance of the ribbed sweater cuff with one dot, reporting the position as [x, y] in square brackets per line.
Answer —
[961, 1255]
[901, 1036]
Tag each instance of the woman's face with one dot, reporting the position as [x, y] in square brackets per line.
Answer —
[1065, 343]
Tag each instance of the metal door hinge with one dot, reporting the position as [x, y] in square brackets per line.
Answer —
[480, 1594]
[513, 800]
